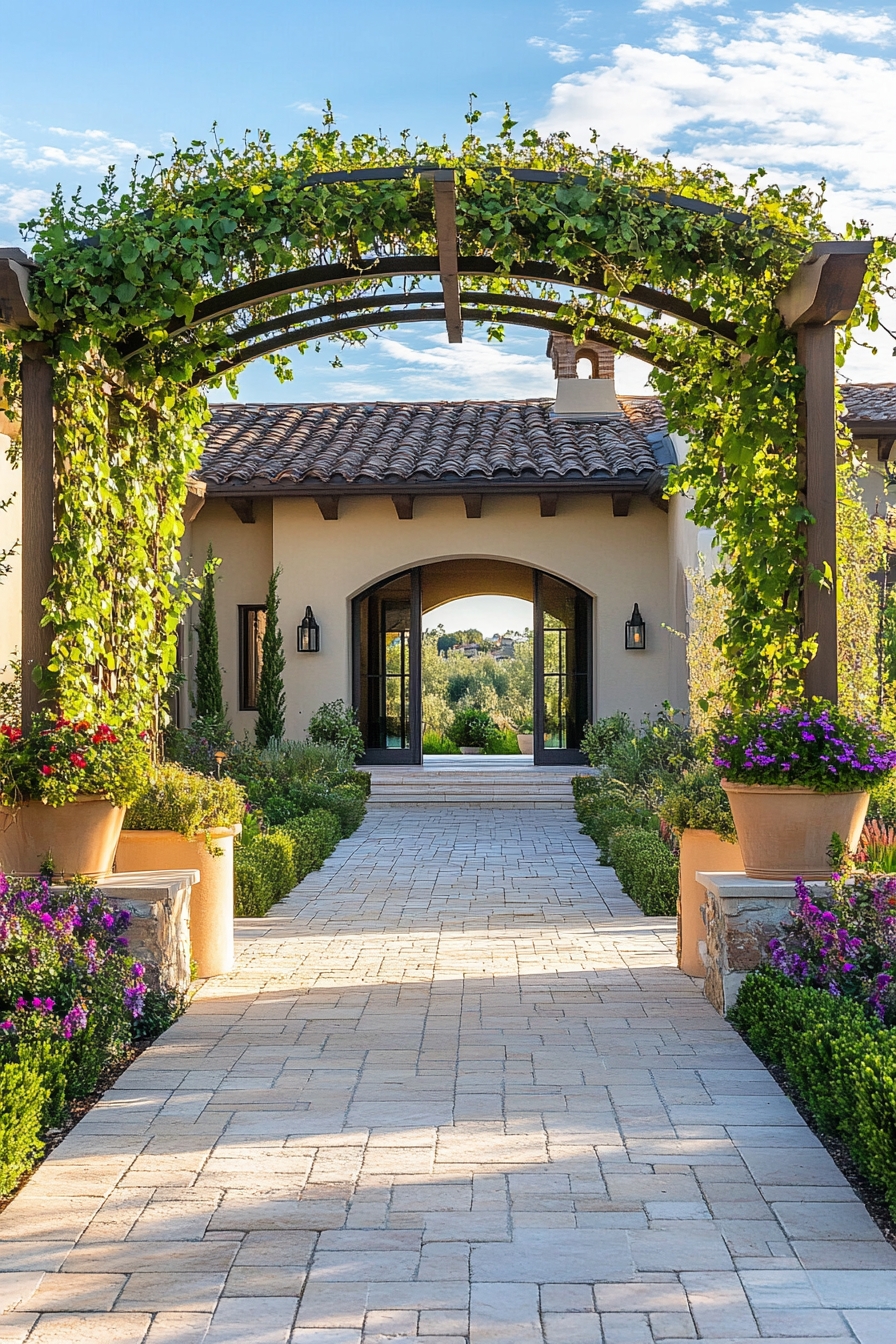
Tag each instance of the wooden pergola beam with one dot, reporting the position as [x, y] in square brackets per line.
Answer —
[821, 295]
[445, 195]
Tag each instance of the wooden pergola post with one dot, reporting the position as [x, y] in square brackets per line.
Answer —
[38, 474]
[38, 501]
[821, 296]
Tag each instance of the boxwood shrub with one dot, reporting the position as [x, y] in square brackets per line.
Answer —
[647, 869]
[268, 866]
[840, 1060]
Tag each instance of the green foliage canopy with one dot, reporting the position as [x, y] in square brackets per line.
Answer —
[119, 294]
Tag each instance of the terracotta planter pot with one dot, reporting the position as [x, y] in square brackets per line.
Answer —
[701, 852]
[471, 751]
[786, 832]
[211, 902]
[526, 743]
[79, 837]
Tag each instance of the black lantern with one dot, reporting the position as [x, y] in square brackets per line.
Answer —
[636, 631]
[309, 633]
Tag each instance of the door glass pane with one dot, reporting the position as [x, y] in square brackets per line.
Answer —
[385, 666]
[565, 688]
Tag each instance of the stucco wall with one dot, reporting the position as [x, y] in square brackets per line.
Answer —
[242, 577]
[618, 560]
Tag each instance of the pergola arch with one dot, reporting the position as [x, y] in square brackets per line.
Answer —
[152, 360]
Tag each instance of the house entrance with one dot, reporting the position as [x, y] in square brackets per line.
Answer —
[388, 625]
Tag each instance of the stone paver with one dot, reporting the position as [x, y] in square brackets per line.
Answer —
[455, 1090]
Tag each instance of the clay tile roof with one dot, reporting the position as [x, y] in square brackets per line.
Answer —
[869, 401]
[415, 442]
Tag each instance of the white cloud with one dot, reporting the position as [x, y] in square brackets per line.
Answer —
[475, 369]
[94, 150]
[665, 6]
[778, 90]
[574, 17]
[786, 91]
[306, 107]
[685, 36]
[20, 203]
[560, 52]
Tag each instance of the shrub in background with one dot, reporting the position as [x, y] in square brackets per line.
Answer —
[435, 744]
[336, 724]
[647, 869]
[600, 737]
[502, 742]
[194, 747]
[471, 728]
[209, 689]
[271, 721]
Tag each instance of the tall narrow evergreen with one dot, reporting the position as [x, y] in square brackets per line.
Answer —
[209, 699]
[271, 720]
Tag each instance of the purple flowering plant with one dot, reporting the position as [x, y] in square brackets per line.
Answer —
[66, 974]
[815, 745]
[843, 939]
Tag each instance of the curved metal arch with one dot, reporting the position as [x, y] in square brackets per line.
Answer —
[549, 177]
[340, 307]
[316, 277]
[355, 322]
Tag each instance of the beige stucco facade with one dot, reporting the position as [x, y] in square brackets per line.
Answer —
[618, 561]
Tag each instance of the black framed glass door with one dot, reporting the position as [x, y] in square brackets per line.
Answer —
[387, 638]
[563, 676]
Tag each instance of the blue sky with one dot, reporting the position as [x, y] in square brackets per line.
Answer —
[804, 90]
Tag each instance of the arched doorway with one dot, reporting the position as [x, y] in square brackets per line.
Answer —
[387, 624]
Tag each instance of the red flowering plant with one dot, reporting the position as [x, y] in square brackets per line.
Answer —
[815, 745]
[60, 758]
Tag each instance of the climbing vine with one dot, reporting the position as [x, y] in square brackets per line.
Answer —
[121, 278]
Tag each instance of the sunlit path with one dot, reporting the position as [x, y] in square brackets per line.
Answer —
[455, 1089]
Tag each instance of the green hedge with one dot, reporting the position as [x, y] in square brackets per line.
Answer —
[647, 869]
[314, 838]
[841, 1061]
[601, 815]
[267, 868]
[264, 872]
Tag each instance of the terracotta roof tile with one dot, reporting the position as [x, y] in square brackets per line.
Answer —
[869, 401]
[388, 442]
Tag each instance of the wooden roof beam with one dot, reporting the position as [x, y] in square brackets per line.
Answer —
[445, 195]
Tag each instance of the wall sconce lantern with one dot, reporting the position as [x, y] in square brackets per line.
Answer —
[636, 631]
[309, 633]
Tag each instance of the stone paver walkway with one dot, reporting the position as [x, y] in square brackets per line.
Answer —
[455, 1090]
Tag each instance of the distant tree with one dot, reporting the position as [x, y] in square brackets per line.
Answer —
[271, 721]
[208, 701]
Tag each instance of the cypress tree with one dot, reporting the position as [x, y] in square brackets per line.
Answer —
[271, 721]
[209, 699]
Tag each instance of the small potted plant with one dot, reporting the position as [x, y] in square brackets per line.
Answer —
[64, 787]
[796, 777]
[696, 808]
[184, 820]
[471, 731]
[525, 736]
